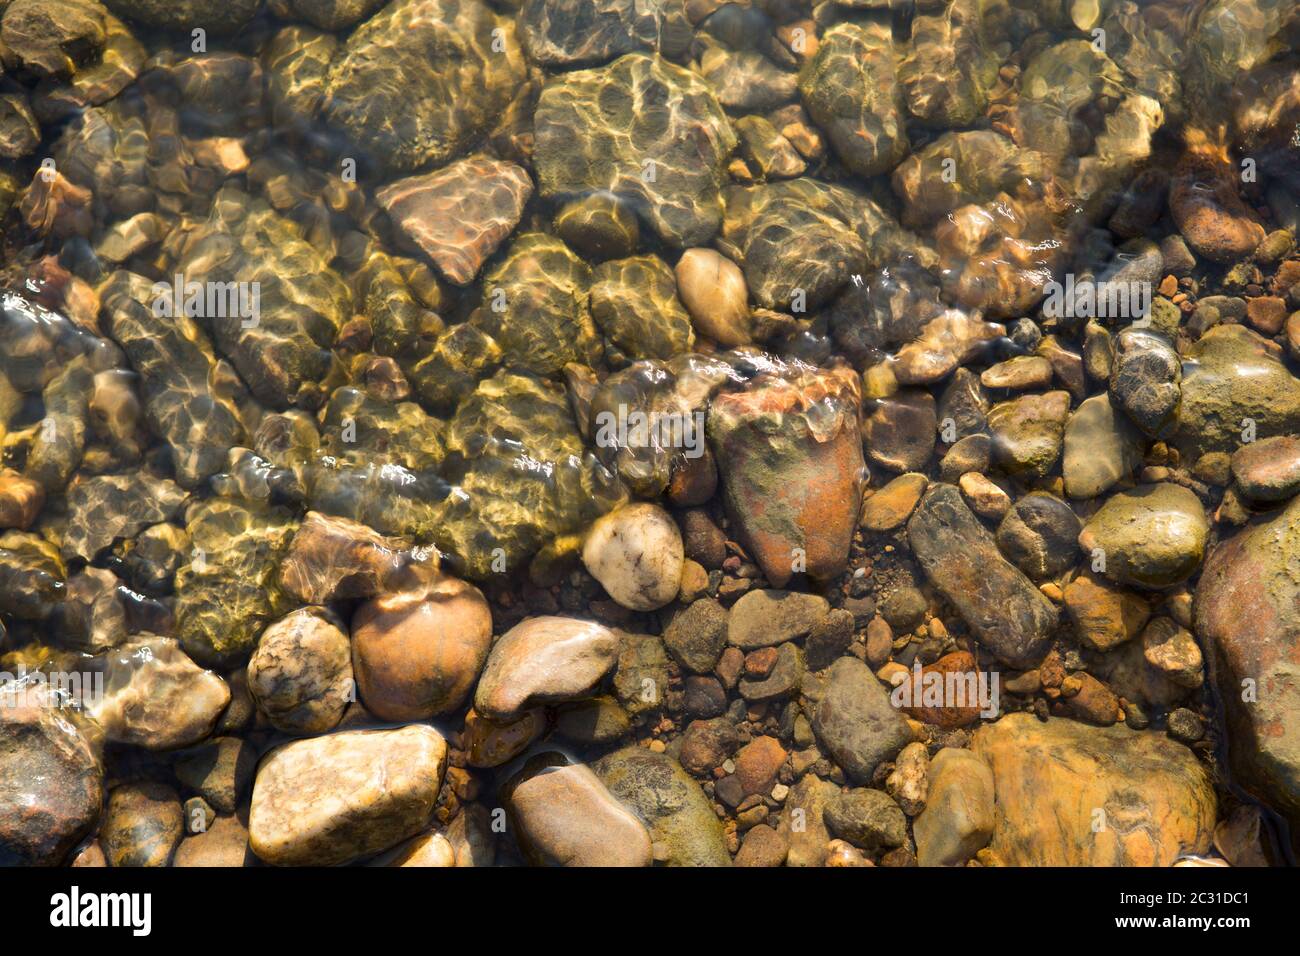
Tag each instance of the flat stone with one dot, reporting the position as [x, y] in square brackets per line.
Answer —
[893, 504]
[459, 215]
[1104, 615]
[1054, 781]
[765, 618]
[544, 660]
[562, 815]
[855, 721]
[1101, 448]
[697, 635]
[1268, 469]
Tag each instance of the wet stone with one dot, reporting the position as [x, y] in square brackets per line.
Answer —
[544, 660]
[850, 90]
[1153, 536]
[326, 14]
[300, 676]
[1028, 433]
[50, 38]
[1145, 379]
[766, 618]
[1268, 470]
[855, 721]
[143, 823]
[697, 634]
[601, 129]
[1039, 535]
[1007, 613]
[536, 306]
[598, 227]
[1101, 448]
[587, 32]
[634, 303]
[900, 433]
[459, 215]
[421, 79]
[105, 508]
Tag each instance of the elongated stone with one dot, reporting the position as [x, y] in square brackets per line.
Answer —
[1000, 604]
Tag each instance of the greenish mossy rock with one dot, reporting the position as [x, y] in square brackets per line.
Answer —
[1153, 536]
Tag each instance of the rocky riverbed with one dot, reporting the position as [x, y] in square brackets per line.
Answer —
[677, 433]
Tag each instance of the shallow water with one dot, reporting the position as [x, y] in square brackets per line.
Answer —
[424, 265]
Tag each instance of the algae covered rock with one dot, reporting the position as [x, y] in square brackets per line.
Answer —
[535, 306]
[671, 805]
[228, 592]
[1153, 536]
[563, 33]
[643, 129]
[422, 79]
[850, 89]
[634, 302]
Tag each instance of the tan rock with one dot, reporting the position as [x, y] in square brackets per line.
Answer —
[335, 559]
[892, 505]
[427, 850]
[714, 291]
[1103, 614]
[337, 798]
[20, 500]
[958, 818]
[417, 653]
[636, 553]
[1072, 795]
[544, 660]
[564, 816]
[224, 843]
[491, 743]
[142, 825]
[300, 676]
[156, 697]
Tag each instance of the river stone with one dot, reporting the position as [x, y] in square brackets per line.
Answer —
[1152, 537]
[326, 14]
[697, 635]
[586, 32]
[1144, 380]
[893, 504]
[958, 818]
[636, 553]
[422, 79]
[562, 815]
[544, 660]
[51, 780]
[1269, 469]
[634, 302]
[598, 227]
[641, 675]
[459, 215]
[790, 455]
[868, 819]
[783, 680]
[714, 291]
[536, 306]
[107, 507]
[300, 676]
[336, 559]
[180, 379]
[1101, 448]
[43, 39]
[155, 697]
[1039, 535]
[143, 823]
[227, 593]
[332, 799]
[672, 805]
[1007, 613]
[799, 240]
[765, 618]
[606, 128]
[850, 90]
[803, 823]
[900, 432]
[1028, 433]
[1246, 618]
[1051, 780]
[855, 721]
[186, 15]
[743, 80]
[1104, 616]
[224, 843]
[417, 653]
[947, 72]
[1234, 380]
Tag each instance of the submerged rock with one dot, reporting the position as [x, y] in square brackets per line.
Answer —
[1072, 795]
[544, 660]
[155, 697]
[143, 824]
[1246, 616]
[108, 507]
[563, 816]
[671, 805]
[634, 302]
[300, 676]
[417, 653]
[459, 215]
[856, 722]
[1153, 536]
[586, 32]
[636, 553]
[1006, 612]
[422, 79]
[790, 451]
[850, 90]
[644, 130]
[333, 799]
[51, 779]
[958, 819]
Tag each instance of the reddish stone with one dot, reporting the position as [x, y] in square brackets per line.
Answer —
[790, 452]
[757, 764]
[954, 692]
